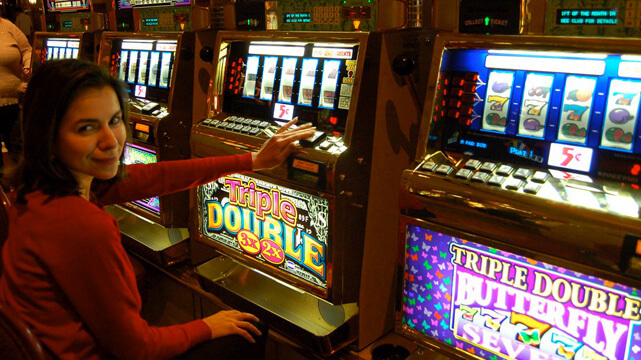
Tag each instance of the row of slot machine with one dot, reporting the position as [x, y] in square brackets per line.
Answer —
[499, 217]
[289, 244]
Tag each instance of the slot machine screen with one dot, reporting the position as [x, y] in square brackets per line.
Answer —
[494, 304]
[145, 66]
[569, 112]
[61, 48]
[129, 4]
[134, 154]
[55, 6]
[282, 80]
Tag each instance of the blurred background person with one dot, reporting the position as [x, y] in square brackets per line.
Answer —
[15, 67]
[24, 23]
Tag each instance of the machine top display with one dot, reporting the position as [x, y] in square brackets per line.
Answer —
[130, 4]
[145, 65]
[55, 6]
[278, 80]
[527, 110]
[61, 48]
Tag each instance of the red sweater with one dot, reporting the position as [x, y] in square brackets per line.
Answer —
[68, 276]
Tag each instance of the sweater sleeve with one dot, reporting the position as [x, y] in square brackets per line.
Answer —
[23, 45]
[92, 269]
[167, 177]
[25, 49]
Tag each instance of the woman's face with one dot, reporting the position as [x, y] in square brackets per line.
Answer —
[92, 135]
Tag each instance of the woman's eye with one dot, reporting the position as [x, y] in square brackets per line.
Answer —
[86, 128]
[115, 120]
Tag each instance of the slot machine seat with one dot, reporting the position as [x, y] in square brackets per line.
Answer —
[16, 339]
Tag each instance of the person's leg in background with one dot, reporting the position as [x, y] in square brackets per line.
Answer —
[232, 347]
[9, 115]
[14, 146]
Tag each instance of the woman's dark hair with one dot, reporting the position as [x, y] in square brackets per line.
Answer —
[52, 89]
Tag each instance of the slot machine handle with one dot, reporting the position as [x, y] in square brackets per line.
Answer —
[403, 65]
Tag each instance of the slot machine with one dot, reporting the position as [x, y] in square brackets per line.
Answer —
[73, 31]
[289, 244]
[72, 16]
[520, 215]
[345, 15]
[164, 69]
[158, 72]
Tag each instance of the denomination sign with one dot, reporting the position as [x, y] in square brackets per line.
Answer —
[273, 224]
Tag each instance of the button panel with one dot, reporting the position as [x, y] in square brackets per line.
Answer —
[494, 174]
[255, 127]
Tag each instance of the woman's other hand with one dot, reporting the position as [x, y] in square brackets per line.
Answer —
[232, 322]
[277, 148]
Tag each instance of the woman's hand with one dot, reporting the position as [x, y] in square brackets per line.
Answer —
[232, 322]
[277, 148]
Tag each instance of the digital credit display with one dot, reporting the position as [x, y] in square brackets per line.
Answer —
[134, 154]
[494, 304]
[272, 224]
[580, 17]
[283, 80]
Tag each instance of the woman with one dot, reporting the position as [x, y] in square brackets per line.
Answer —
[64, 268]
[15, 64]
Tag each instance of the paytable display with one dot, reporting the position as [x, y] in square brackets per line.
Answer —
[492, 303]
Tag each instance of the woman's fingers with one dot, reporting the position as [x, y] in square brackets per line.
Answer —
[299, 134]
[287, 125]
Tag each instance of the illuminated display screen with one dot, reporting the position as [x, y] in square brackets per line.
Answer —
[129, 4]
[138, 155]
[542, 109]
[278, 80]
[60, 48]
[495, 304]
[299, 17]
[67, 5]
[580, 17]
[265, 222]
[146, 66]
